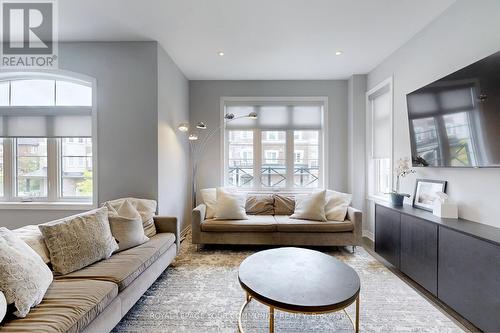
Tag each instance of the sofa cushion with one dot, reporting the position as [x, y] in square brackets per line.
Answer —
[283, 204]
[255, 223]
[260, 204]
[32, 236]
[286, 224]
[146, 208]
[122, 268]
[68, 306]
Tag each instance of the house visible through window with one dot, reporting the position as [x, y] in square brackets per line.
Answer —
[282, 149]
[46, 140]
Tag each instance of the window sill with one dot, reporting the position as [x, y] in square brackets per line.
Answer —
[47, 205]
[375, 198]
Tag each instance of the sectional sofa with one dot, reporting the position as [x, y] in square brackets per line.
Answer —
[95, 298]
[269, 223]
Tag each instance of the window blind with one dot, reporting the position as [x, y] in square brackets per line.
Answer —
[276, 116]
[381, 125]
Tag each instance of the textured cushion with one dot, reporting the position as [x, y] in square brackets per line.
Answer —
[145, 207]
[68, 306]
[283, 204]
[24, 277]
[209, 197]
[260, 204]
[126, 226]
[230, 205]
[254, 223]
[3, 306]
[122, 268]
[78, 241]
[310, 206]
[287, 224]
[336, 205]
[32, 236]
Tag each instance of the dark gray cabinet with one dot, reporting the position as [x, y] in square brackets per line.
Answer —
[455, 259]
[469, 278]
[387, 234]
[419, 251]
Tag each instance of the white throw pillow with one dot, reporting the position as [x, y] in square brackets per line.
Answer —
[310, 206]
[3, 306]
[336, 205]
[126, 226]
[230, 205]
[209, 197]
[24, 277]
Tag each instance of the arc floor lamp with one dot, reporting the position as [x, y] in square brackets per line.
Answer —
[198, 144]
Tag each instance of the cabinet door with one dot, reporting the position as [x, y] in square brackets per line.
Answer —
[387, 234]
[419, 251]
[469, 278]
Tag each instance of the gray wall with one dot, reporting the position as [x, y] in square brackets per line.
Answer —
[463, 34]
[204, 97]
[128, 112]
[173, 149]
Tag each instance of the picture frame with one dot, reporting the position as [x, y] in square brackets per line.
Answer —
[425, 193]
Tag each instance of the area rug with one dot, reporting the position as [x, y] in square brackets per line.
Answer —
[200, 292]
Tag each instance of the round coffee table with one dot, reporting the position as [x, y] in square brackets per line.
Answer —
[298, 280]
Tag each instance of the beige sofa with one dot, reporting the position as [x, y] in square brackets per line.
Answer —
[269, 224]
[95, 298]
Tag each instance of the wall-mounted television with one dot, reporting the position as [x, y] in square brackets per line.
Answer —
[455, 121]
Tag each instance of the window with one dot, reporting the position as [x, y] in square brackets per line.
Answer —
[379, 126]
[46, 152]
[285, 146]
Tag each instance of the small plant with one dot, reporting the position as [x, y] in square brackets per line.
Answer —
[403, 169]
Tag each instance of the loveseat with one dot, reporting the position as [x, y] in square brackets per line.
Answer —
[269, 223]
[95, 298]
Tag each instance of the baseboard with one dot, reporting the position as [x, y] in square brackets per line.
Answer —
[369, 235]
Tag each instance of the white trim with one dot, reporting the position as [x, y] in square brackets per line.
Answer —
[52, 201]
[368, 234]
[324, 172]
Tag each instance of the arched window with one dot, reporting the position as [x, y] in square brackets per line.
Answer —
[46, 152]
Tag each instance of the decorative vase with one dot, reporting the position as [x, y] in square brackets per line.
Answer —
[397, 199]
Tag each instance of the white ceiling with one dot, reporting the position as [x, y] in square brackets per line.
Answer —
[261, 39]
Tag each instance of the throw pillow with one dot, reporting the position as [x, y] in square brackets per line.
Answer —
[24, 277]
[209, 197]
[126, 226]
[260, 204]
[3, 306]
[145, 207]
[310, 206]
[32, 236]
[283, 205]
[230, 205]
[78, 241]
[336, 205]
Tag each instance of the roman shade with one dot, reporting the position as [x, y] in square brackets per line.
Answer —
[381, 109]
[45, 107]
[276, 115]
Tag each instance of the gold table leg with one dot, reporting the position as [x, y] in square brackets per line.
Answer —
[356, 329]
[271, 319]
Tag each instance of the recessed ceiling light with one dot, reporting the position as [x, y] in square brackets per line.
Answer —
[221, 53]
[338, 53]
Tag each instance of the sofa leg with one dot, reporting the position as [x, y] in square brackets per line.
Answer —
[353, 249]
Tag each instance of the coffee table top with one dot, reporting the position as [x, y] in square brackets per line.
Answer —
[299, 280]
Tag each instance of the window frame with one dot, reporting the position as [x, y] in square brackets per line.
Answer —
[323, 142]
[54, 199]
[371, 164]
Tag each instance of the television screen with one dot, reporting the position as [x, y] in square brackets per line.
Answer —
[455, 121]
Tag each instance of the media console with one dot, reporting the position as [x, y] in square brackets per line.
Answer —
[456, 260]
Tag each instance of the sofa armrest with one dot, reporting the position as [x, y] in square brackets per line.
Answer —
[196, 221]
[356, 217]
[169, 224]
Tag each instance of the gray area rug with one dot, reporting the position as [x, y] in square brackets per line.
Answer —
[200, 293]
